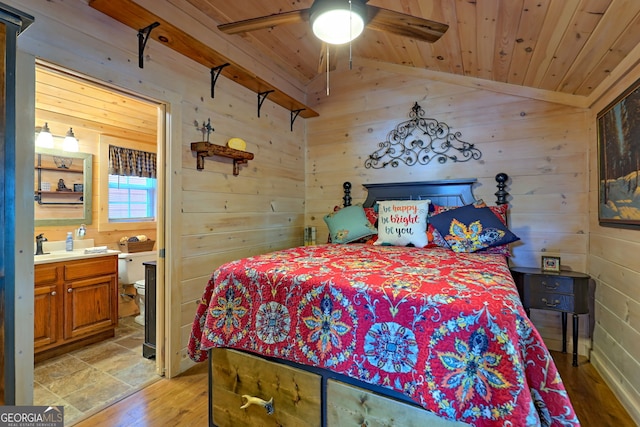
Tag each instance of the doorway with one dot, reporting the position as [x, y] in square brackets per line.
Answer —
[100, 115]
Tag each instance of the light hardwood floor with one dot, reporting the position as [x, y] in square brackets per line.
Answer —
[182, 401]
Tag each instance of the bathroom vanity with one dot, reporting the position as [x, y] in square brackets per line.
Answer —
[76, 301]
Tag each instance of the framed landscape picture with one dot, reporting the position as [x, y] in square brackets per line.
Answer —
[619, 161]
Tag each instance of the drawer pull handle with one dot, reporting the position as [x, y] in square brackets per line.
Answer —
[550, 304]
[251, 400]
[551, 287]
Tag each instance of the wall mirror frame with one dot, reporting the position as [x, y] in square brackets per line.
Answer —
[45, 156]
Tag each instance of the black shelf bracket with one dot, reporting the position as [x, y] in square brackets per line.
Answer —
[294, 116]
[143, 38]
[261, 97]
[215, 73]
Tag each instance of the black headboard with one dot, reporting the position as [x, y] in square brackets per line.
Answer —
[448, 192]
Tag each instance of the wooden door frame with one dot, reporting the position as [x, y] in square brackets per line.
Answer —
[13, 255]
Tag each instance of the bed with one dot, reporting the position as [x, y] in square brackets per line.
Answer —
[379, 334]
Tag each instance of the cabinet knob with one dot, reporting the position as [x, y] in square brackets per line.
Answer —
[54, 293]
[550, 303]
[69, 290]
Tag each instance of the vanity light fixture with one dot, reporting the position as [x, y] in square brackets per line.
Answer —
[70, 142]
[45, 138]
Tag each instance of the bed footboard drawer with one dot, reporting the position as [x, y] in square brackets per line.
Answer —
[296, 393]
[352, 406]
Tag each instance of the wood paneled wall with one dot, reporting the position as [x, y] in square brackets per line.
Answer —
[545, 143]
[541, 145]
[64, 101]
[613, 261]
[212, 215]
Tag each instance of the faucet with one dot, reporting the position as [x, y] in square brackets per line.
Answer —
[39, 239]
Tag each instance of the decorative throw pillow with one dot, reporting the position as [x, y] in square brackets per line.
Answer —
[500, 211]
[471, 229]
[348, 224]
[403, 222]
[372, 215]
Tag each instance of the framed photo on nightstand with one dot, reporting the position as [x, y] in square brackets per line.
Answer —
[551, 264]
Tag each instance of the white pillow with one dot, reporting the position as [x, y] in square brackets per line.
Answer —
[401, 222]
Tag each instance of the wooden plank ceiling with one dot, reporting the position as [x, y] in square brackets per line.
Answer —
[68, 101]
[566, 46]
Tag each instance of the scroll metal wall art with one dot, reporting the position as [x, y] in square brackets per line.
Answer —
[419, 141]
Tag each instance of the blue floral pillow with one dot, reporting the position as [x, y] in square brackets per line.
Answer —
[349, 224]
[471, 229]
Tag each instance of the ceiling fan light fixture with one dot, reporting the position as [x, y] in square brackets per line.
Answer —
[337, 21]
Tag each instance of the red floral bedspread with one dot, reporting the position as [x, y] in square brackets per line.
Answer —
[446, 329]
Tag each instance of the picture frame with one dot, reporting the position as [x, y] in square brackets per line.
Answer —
[619, 156]
[551, 264]
[78, 188]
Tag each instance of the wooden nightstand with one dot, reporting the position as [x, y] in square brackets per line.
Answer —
[566, 292]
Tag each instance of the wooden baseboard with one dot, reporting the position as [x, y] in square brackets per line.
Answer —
[602, 365]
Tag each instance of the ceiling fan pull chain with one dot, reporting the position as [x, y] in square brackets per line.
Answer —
[327, 61]
[350, 35]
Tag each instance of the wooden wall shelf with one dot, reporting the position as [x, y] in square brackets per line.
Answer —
[206, 149]
[138, 18]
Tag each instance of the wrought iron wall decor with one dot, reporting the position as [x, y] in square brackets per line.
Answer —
[420, 140]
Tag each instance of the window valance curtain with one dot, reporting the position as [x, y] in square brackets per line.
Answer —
[128, 162]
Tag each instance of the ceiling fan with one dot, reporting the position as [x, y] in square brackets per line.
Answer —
[354, 15]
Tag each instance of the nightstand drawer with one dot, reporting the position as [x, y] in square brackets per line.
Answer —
[551, 301]
[563, 285]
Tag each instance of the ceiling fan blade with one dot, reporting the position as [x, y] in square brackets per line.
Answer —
[404, 25]
[262, 22]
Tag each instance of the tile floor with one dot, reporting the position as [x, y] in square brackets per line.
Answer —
[91, 378]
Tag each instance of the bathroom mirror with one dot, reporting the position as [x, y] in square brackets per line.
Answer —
[62, 187]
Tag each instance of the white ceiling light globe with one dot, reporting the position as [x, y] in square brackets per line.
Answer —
[338, 26]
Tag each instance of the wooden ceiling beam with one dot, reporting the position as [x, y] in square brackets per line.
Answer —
[135, 16]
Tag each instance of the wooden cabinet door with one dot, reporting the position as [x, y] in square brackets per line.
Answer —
[90, 305]
[47, 306]
[46, 315]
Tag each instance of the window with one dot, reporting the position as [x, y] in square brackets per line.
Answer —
[131, 198]
[129, 191]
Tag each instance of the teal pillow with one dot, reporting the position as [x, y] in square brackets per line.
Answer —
[471, 229]
[349, 224]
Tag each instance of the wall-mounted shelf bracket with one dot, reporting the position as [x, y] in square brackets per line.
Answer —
[143, 38]
[131, 14]
[206, 149]
[215, 73]
[294, 116]
[261, 97]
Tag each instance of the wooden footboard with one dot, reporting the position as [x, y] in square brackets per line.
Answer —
[299, 396]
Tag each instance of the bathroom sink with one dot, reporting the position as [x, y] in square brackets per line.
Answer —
[57, 256]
